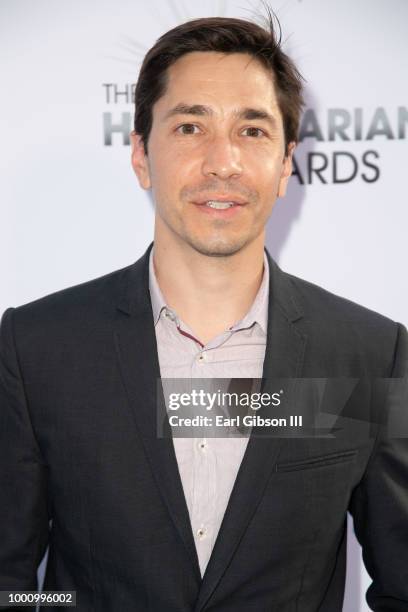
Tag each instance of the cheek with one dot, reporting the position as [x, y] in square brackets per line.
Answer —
[167, 183]
[169, 164]
[162, 173]
[267, 174]
[263, 161]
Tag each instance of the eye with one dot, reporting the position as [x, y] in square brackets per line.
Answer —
[187, 129]
[253, 132]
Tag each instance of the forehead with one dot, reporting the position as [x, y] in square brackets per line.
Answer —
[219, 78]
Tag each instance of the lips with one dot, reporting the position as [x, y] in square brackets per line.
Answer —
[221, 202]
[220, 209]
[220, 205]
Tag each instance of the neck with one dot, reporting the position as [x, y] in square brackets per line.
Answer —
[209, 294]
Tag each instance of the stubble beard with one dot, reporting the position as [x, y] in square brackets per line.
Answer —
[218, 241]
[217, 249]
[216, 245]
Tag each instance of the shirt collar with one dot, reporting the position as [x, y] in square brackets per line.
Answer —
[258, 313]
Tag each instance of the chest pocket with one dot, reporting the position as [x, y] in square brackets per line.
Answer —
[316, 462]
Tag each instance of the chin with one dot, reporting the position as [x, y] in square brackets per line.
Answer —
[217, 248]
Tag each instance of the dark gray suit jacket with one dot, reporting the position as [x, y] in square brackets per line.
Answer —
[78, 445]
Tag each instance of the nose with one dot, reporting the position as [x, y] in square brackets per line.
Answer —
[222, 159]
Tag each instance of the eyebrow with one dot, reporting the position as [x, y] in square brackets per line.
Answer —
[199, 110]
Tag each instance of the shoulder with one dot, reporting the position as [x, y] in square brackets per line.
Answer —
[319, 303]
[98, 291]
[341, 331]
[66, 316]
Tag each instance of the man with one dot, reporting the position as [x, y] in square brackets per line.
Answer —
[141, 522]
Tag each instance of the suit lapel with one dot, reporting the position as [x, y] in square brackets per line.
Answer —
[138, 361]
[283, 359]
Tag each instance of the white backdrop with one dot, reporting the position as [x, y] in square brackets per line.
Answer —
[71, 209]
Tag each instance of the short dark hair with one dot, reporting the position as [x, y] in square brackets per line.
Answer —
[223, 35]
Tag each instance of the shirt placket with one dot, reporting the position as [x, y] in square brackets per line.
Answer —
[204, 495]
[205, 477]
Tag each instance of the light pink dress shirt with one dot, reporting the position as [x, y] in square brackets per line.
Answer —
[208, 466]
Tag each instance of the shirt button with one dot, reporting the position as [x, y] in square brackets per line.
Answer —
[202, 444]
[201, 533]
[201, 358]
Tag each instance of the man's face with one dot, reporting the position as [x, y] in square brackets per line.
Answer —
[216, 154]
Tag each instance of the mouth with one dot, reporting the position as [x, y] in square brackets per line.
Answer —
[220, 209]
[221, 203]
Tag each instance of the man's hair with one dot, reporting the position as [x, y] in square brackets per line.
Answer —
[222, 35]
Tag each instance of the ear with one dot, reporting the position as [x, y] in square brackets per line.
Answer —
[139, 160]
[286, 170]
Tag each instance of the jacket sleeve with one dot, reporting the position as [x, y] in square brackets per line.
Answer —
[379, 506]
[23, 488]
